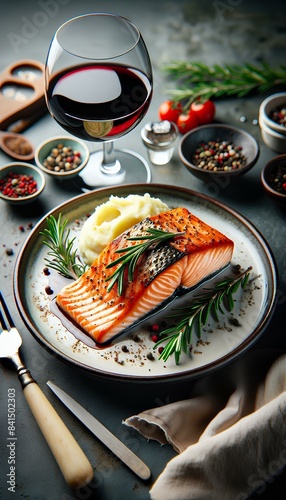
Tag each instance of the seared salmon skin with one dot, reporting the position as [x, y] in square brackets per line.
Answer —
[162, 273]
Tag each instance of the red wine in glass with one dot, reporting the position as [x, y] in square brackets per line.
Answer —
[99, 102]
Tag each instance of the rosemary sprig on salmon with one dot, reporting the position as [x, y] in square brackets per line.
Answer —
[179, 336]
[129, 260]
[64, 258]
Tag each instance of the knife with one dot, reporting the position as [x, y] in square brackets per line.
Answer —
[102, 433]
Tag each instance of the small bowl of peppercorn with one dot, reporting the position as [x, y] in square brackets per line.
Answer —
[218, 151]
[20, 183]
[272, 121]
[62, 157]
[273, 178]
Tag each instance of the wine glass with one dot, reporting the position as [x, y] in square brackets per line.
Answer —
[98, 88]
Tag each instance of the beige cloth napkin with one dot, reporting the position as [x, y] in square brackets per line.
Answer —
[230, 435]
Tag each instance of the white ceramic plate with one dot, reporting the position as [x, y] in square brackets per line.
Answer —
[219, 344]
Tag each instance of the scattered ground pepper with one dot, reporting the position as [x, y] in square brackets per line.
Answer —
[16, 185]
[219, 156]
[234, 321]
[150, 356]
[62, 159]
[237, 269]
[136, 338]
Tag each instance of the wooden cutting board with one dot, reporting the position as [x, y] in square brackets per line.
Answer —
[22, 96]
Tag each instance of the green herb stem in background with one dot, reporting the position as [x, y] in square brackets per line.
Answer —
[194, 80]
[64, 258]
[179, 336]
[131, 255]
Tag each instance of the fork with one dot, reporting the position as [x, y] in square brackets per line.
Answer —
[72, 461]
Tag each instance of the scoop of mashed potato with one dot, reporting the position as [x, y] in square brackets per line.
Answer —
[113, 218]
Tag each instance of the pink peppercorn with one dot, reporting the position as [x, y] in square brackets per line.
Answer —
[155, 327]
[16, 185]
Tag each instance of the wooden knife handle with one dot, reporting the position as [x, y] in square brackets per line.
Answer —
[72, 461]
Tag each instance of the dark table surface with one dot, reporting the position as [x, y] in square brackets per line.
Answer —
[207, 31]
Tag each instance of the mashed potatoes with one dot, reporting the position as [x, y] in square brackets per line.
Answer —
[112, 218]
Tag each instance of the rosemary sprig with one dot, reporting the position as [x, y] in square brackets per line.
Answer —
[179, 336]
[64, 258]
[197, 80]
[128, 261]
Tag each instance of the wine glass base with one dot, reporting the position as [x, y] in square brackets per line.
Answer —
[134, 169]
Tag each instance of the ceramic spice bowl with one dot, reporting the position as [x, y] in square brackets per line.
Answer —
[273, 178]
[62, 157]
[218, 150]
[20, 183]
[272, 121]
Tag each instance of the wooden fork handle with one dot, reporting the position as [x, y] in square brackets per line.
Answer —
[72, 461]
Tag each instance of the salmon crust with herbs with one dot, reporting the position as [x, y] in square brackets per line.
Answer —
[105, 307]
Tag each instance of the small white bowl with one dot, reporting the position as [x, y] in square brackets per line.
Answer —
[269, 105]
[45, 148]
[272, 139]
[25, 169]
[272, 133]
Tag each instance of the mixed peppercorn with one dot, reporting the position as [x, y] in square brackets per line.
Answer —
[16, 185]
[277, 179]
[219, 156]
[278, 115]
[62, 159]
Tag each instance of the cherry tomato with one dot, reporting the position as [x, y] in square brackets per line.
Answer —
[205, 111]
[187, 122]
[170, 110]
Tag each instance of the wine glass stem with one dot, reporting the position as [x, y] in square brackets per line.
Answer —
[110, 165]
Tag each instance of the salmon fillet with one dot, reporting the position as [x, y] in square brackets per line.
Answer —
[161, 274]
